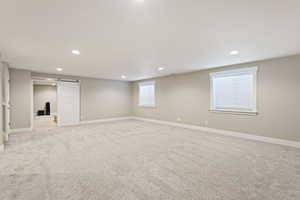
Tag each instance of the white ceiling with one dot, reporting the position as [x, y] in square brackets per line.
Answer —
[126, 37]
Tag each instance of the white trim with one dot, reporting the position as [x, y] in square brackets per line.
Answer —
[18, 130]
[193, 127]
[147, 105]
[81, 123]
[226, 133]
[32, 104]
[234, 112]
[105, 120]
[234, 72]
[44, 116]
[147, 83]
[1, 147]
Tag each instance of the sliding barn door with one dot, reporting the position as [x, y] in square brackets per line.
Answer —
[68, 103]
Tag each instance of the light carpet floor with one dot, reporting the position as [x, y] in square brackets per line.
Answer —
[139, 160]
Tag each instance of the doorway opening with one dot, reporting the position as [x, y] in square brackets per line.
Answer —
[55, 102]
[44, 103]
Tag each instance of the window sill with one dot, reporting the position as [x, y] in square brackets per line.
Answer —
[147, 106]
[234, 112]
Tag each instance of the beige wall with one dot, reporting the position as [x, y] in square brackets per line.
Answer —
[20, 98]
[188, 96]
[101, 98]
[1, 109]
[43, 94]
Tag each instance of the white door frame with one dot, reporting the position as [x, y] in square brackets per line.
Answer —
[32, 106]
[56, 80]
[5, 104]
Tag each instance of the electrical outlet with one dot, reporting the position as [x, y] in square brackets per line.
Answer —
[178, 119]
[206, 123]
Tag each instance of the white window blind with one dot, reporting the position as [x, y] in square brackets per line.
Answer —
[234, 90]
[147, 94]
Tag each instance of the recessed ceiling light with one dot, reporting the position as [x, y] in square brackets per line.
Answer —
[123, 77]
[59, 69]
[161, 69]
[234, 52]
[76, 52]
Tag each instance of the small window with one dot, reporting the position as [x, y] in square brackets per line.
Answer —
[234, 90]
[147, 94]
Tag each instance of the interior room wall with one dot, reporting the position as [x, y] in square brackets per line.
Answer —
[20, 98]
[43, 94]
[100, 98]
[187, 96]
[1, 109]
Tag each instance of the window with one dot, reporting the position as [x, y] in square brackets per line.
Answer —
[147, 94]
[234, 90]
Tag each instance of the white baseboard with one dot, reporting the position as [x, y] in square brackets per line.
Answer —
[194, 127]
[105, 120]
[1, 147]
[44, 117]
[18, 130]
[225, 132]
